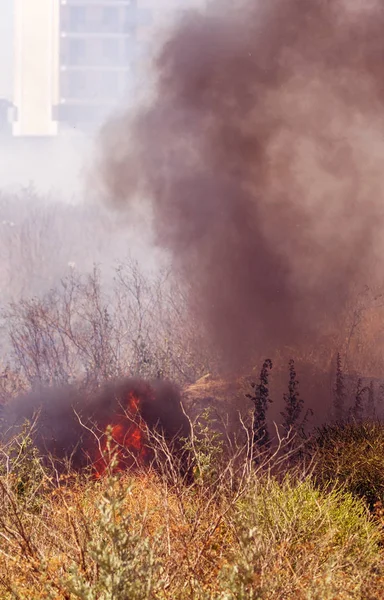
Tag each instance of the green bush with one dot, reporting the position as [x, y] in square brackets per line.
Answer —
[121, 562]
[22, 472]
[352, 454]
[296, 541]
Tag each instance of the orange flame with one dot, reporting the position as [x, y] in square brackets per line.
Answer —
[128, 445]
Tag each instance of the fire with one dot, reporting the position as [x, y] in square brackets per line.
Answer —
[127, 443]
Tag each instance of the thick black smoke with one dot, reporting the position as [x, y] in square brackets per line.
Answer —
[261, 156]
[68, 420]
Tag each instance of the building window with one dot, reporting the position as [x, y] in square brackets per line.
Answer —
[111, 51]
[130, 50]
[109, 85]
[110, 19]
[76, 52]
[77, 18]
[76, 85]
[129, 19]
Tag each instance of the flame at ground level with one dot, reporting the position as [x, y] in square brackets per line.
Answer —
[125, 443]
[71, 424]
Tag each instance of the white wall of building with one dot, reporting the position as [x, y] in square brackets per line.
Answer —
[6, 49]
[36, 55]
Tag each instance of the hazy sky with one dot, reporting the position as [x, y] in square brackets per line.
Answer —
[6, 32]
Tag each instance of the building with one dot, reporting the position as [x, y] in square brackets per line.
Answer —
[76, 59]
[99, 52]
[36, 67]
[5, 125]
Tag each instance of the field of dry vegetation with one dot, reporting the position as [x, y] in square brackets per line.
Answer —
[279, 526]
[288, 513]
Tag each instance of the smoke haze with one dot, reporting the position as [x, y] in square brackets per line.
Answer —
[65, 415]
[261, 157]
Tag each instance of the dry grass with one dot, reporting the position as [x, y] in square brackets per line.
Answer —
[237, 533]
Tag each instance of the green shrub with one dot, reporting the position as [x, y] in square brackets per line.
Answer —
[21, 470]
[352, 454]
[120, 561]
[296, 541]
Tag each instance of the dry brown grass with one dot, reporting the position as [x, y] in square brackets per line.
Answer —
[237, 533]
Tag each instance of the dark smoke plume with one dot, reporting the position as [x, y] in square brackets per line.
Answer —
[65, 417]
[261, 157]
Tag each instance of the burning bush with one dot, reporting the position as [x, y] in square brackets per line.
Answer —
[114, 424]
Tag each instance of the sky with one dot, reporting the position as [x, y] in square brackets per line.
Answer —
[6, 31]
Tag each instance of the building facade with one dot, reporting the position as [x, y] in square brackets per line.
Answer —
[99, 52]
[77, 59]
[36, 67]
